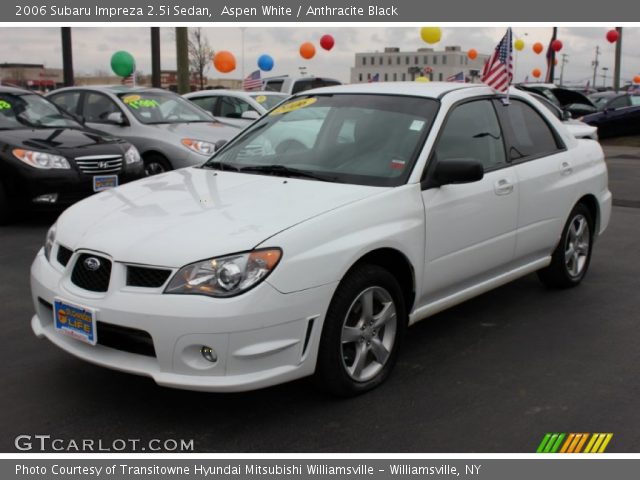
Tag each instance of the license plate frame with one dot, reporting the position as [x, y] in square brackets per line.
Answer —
[75, 321]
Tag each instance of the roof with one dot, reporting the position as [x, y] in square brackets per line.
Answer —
[418, 89]
[237, 93]
[7, 89]
[111, 88]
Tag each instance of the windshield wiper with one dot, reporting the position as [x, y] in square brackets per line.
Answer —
[283, 171]
[217, 165]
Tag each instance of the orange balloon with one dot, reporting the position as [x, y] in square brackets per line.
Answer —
[636, 79]
[538, 47]
[224, 61]
[307, 50]
[472, 54]
[536, 73]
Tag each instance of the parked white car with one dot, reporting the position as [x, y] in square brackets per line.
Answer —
[235, 107]
[281, 258]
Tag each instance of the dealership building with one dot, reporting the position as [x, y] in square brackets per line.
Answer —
[393, 65]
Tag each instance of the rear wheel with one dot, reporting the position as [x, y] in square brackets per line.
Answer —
[362, 332]
[571, 258]
[155, 163]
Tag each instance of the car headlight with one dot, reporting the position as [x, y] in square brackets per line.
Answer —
[40, 159]
[199, 146]
[225, 276]
[132, 155]
[49, 240]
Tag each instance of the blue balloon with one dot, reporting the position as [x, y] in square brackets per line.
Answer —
[265, 62]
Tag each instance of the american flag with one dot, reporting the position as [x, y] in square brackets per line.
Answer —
[458, 77]
[498, 70]
[253, 81]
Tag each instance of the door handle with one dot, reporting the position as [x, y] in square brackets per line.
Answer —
[566, 169]
[503, 187]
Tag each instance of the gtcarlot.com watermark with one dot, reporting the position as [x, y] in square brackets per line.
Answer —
[48, 443]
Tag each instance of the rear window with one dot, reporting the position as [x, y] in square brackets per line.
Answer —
[273, 85]
[310, 83]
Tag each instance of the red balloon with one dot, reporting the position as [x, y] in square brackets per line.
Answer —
[538, 47]
[327, 42]
[536, 72]
[612, 36]
[636, 79]
[556, 45]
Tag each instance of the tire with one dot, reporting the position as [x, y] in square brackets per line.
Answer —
[5, 209]
[155, 164]
[569, 264]
[355, 356]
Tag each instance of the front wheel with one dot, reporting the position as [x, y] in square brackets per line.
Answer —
[571, 258]
[362, 332]
[155, 164]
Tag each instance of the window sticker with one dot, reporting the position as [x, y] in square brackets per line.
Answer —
[416, 125]
[136, 102]
[291, 106]
[4, 105]
[261, 98]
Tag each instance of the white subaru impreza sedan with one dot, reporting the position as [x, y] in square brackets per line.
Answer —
[310, 242]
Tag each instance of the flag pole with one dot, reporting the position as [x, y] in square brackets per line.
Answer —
[513, 72]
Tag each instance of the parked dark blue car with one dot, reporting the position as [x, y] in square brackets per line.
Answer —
[619, 116]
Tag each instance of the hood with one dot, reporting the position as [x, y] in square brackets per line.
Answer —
[210, 132]
[192, 214]
[65, 141]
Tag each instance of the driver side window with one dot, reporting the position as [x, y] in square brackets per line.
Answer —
[97, 107]
[472, 131]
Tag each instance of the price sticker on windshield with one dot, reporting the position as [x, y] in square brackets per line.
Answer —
[291, 106]
[261, 98]
[4, 105]
[136, 102]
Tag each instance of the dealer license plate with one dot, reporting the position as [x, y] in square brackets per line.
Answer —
[104, 182]
[75, 321]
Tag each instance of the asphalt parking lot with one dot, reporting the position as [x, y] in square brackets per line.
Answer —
[492, 375]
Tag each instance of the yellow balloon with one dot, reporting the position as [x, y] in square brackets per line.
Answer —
[422, 79]
[431, 34]
[518, 44]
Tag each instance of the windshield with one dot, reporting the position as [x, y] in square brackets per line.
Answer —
[163, 107]
[268, 100]
[29, 110]
[360, 139]
[600, 102]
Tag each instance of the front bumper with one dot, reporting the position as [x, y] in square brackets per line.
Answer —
[261, 338]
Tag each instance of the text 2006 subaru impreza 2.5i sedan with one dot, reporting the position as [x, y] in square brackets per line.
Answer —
[311, 241]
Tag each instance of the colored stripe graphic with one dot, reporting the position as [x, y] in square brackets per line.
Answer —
[574, 443]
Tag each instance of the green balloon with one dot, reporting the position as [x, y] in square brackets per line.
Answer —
[123, 63]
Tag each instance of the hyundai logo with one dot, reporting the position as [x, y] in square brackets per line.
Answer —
[92, 263]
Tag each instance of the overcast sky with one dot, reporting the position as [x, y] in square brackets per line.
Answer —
[93, 47]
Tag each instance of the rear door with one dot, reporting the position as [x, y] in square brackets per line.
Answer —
[470, 228]
[544, 171]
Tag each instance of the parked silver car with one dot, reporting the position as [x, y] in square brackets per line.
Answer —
[168, 131]
[236, 107]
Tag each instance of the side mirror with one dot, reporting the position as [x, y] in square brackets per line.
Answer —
[116, 118]
[250, 115]
[566, 115]
[220, 143]
[453, 171]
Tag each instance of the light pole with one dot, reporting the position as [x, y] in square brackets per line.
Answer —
[595, 65]
[604, 76]
[242, 29]
[562, 64]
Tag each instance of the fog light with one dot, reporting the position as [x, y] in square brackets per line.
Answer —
[46, 198]
[209, 354]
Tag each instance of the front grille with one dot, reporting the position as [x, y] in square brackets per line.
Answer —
[126, 339]
[64, 255]
[96, 280]
[99, 164]
[146, 277]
